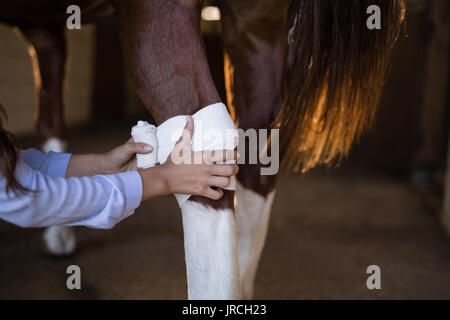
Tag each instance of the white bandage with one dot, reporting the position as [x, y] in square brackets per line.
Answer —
[213, 130]
[146, 133]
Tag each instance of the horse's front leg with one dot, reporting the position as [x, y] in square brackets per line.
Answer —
[163, 49]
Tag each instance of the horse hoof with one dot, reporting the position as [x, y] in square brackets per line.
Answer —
[59, 240]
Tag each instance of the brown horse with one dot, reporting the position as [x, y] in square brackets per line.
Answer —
[309, 67]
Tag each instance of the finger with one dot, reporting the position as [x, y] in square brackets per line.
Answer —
[219, 181]
[224, 155]
[212, 156]
[130, 148]
[226, 170]
[189, 125]
[188, 131]
[141, 147]
[207, 156]
[214, 194]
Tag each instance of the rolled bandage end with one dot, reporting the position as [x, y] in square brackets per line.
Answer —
[146, 133]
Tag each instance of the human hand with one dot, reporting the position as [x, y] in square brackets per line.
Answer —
[195, 174]
[123, 158]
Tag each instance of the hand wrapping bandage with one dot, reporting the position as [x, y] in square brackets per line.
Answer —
[213, 130]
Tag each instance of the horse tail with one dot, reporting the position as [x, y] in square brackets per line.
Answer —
[334, 73]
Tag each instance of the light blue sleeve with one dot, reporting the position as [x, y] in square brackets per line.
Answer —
[98, 202]
[53, 164]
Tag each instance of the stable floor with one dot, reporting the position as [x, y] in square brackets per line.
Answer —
[326, 228]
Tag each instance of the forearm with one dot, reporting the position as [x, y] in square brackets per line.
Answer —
[82, 165]
[154, 182]
[99, 202]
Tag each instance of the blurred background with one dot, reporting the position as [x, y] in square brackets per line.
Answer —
[387, 204]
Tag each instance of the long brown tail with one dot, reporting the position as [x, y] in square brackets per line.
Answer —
[334, 75]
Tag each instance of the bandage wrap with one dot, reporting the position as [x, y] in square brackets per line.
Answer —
[213, 130]
[146, 133]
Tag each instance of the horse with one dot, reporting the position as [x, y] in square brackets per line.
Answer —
[311, 68]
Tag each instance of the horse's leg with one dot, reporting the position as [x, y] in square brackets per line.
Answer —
[48, 52]
[163, 49]
[253, 70]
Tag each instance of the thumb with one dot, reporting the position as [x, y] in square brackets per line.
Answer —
[130, 148]
[140, 147]
[188, 131]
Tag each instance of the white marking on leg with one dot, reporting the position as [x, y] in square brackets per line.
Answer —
[252, 218]
[211, 252]
[54, 144]
[59, 240]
